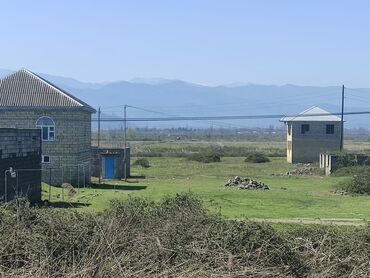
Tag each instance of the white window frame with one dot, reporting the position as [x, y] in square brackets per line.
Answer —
[50, 129]
[43, 159]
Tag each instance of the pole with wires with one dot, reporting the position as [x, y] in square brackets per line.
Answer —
[342, 121]
[125, 141]
[100, 162]
[125, 126]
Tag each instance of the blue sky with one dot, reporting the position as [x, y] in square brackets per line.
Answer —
[307, 42]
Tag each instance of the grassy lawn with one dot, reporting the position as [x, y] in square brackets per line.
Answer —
[288, 197]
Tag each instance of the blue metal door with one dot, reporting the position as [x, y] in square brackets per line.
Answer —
[109, 167]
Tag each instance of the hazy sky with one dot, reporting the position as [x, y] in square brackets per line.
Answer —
[305, 42]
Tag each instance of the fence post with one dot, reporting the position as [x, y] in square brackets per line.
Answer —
[78, 176]
[84, 173]
[70, 174]
[89, 176]
[49, 184]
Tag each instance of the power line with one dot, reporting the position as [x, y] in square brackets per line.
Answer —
[232, 117]
[220, 124]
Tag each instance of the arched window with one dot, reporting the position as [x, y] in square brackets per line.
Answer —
[47, 128]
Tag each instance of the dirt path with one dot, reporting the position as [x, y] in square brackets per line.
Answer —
[338, 221]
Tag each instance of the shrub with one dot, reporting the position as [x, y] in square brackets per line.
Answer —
[205, 157]
[360, 183]
[257, 157]
[348, 171]
[143, 162]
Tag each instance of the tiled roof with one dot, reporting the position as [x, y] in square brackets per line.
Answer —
[313, 114]
[26, 89]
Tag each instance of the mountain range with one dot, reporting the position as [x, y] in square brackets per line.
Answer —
[164, 97]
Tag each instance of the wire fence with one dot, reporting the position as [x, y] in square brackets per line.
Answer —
[20, 183]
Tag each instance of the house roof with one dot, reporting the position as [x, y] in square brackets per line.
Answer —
[312, 114]
[26, 89]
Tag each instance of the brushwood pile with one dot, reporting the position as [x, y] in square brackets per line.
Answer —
[246, 183]
[176, 237]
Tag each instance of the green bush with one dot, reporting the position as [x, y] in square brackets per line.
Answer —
[143, 162]
[257, 157]
[205, 157]
[348, 171]
[360, 183]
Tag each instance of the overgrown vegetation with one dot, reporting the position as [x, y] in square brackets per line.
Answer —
[349, 171]
[360, 183]
[345, 160]
[143, 162]
[186, 150]
[172, 238]
[225, 149]
[349, 162]
[257, 157]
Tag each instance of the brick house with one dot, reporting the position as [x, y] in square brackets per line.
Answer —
[310, 133]
[29, 101]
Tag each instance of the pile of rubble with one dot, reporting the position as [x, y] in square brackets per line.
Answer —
[340, 192]
[301, 171]
[246, 183]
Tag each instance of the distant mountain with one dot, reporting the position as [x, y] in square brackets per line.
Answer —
[68, 82]
[175, 97]
[152, 81]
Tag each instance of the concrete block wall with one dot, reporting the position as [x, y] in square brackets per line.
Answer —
[307, 147]
[329, 162]
[21, 150]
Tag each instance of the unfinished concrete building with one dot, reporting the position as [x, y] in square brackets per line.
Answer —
[310, 133]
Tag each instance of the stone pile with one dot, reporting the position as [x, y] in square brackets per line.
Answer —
[302, 171]
[246, 183]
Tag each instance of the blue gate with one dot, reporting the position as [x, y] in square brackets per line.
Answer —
[109, 167]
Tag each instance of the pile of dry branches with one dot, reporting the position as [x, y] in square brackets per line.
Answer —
[173, 238]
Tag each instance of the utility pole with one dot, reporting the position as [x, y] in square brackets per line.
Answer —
[100, 164]
[99, 127]
[124, 126]
[125, 141]
[342, 121]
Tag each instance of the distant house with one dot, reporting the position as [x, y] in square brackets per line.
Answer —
[29, 101]
[310, 133]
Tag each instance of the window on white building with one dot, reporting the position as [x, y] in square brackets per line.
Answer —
[305, 128]
[47, 126]
[330, 129]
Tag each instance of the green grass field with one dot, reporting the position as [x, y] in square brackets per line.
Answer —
[289, 197]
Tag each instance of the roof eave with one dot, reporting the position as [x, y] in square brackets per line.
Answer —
[87, 109]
